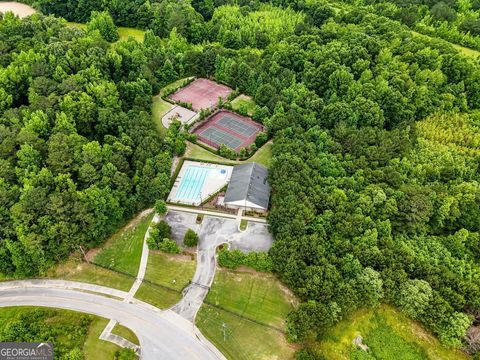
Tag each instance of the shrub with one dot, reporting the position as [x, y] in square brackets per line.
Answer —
[243, 153]
[259, 261]
[160, 207]
[261, 139]
[191, 238]
[125, 354]
[230, 259]
[226, 152]
[159, 231]
[304, 354]
[169, 246]
[191, 137]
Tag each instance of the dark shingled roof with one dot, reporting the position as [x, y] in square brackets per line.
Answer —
[249, 182]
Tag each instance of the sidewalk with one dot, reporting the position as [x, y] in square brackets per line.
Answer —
[215, 213]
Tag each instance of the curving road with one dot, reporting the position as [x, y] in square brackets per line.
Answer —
[162, 334]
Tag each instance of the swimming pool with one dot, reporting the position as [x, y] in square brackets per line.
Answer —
[192, 183]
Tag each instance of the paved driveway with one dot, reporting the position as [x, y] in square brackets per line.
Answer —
[180, 223]
[217, 230]
[255, 238]
[213, 232]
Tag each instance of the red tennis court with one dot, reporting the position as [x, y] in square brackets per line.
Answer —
[230, 129]
[202, 94]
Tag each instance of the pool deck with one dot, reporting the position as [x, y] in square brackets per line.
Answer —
[212, 183]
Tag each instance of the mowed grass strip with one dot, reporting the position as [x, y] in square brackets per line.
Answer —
[241, 339]
[260, 297]
[388, 333]
[123, 250]
[158, 296]
[126, 333]
[171, 271]
[197, 152]
[262, 156]
[166, 277]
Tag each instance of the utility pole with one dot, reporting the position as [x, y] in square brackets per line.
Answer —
[224, 329]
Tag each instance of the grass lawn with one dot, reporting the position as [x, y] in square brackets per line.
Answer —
[243, 339]
[126, 333]
[94, 348]
[160, 107]
[123, 250]
[259, 297]
[162, 270]
[388, 333]
[245, 102]
[466, 51]
[158, 296]
[197, 152]
[262, 156]
[75, 269]
[123, 32]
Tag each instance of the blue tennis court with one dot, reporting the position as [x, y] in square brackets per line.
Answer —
[191, 185]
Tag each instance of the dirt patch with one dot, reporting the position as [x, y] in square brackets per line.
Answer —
[421, 333]
[90, 255]
[175, 257]
[137, 219]
[249, 270]
[175, 162]
[243, 97]
[21, 10]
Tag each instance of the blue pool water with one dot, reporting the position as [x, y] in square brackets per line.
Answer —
[192, 183]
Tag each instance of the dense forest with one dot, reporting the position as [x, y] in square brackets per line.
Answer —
[79, 153]
[375, 175]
